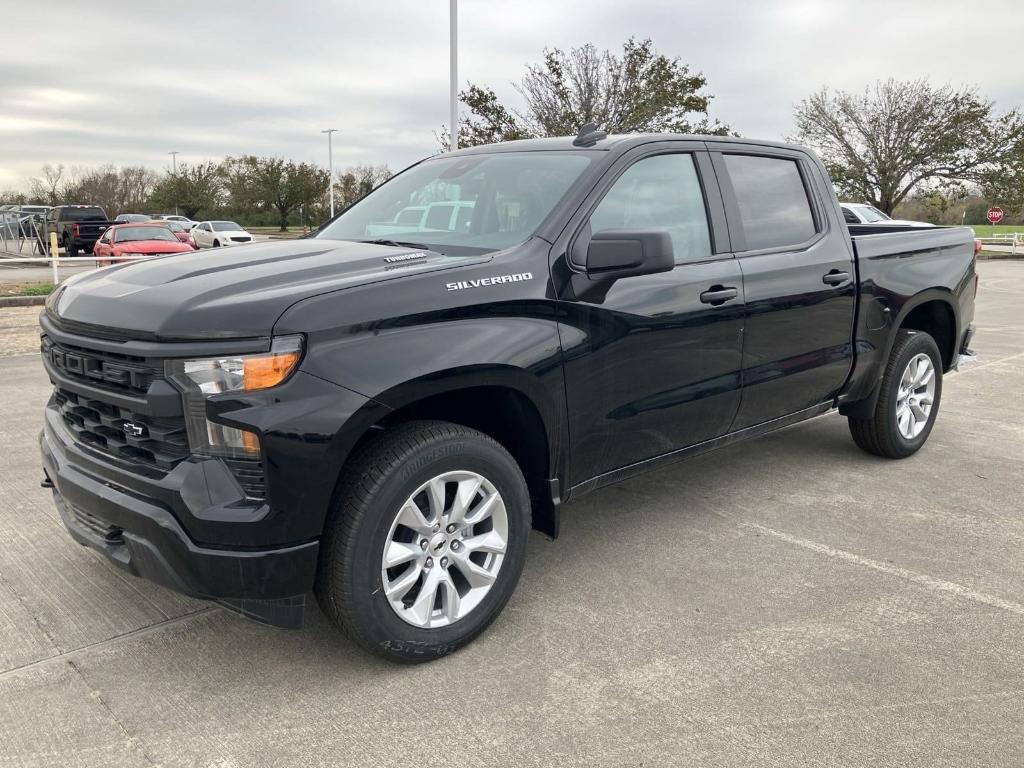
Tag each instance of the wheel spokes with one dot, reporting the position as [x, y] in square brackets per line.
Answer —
[397, 589]
[423, 606]
[399, 552]
[436, 496]
[451, 602]
[486, 508]
[412, 517]
[464, 495]
[492, 541]
[475, 575]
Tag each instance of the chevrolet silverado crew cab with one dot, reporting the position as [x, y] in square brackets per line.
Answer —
[380, 419]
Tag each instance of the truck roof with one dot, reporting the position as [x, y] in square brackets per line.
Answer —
[619, 142]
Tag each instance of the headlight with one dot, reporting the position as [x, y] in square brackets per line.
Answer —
[209, 377]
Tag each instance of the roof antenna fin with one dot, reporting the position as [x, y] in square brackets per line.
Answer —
[589, 135]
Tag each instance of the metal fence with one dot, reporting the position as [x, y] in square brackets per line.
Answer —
[1013, 240]
[21, 233]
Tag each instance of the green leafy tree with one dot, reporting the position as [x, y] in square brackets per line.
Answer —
[640, 90]
[900, 136]
[273, 183]
[192, 189]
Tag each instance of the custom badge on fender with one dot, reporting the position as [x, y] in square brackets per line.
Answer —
[499, 280]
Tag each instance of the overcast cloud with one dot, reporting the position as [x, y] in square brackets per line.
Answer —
[127, 82]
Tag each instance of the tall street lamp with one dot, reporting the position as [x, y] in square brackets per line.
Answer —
[174, 172]
[453, 67]
[330, 166]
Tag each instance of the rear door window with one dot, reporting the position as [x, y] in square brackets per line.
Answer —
[775, 211]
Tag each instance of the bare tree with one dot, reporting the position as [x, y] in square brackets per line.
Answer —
[884, 143]
[48, 187]
[640, 90]
[358, 181]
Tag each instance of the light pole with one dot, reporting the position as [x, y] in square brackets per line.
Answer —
[453, 56]
[174, 172]
[330, 166]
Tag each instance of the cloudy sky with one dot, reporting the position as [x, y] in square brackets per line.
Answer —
[109, 81]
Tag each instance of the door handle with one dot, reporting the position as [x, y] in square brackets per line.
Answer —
[718, 294]
[835, 277]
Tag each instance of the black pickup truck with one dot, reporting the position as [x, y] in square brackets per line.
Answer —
[78, 227]
[380, 413]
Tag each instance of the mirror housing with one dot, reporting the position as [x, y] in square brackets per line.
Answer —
[616, 253]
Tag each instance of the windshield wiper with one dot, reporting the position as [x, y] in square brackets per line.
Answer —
[397, 244]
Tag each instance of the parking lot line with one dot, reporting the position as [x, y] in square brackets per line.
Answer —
[938, 585]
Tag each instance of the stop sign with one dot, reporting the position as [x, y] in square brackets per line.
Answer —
[994, 215]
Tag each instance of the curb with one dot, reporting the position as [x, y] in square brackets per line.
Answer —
[22, 301]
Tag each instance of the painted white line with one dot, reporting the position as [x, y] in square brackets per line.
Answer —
[924, 580]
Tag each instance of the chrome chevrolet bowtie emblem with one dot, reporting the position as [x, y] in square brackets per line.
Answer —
[133, 430]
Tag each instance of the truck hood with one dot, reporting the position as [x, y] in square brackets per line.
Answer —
[232, 292]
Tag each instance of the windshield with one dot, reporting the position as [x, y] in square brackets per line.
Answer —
[143, 233]
[871, 214]
[175, 226]
[224, 226]
[481, 202]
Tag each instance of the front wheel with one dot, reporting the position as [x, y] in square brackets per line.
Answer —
[908, 401]
[426, 543]
[216, 243]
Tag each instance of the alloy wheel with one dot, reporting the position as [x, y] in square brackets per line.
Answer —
[444, 549]
[915, 396]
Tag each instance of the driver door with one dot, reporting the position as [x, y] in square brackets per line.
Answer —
[652, 365]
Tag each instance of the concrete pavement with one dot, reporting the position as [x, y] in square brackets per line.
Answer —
[788, 601]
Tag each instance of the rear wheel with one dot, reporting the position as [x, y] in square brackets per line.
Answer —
[908, 401]
[426, 543]
[70, 249]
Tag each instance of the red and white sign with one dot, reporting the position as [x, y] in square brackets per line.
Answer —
[994, 215]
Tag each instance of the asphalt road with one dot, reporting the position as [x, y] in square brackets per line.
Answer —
[789, 601]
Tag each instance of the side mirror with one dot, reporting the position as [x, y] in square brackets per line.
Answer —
[616, 253]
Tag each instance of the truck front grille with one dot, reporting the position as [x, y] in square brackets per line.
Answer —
[115, 419]
[160, 443]
[117, 373]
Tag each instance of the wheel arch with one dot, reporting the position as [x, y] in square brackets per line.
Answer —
[933, 311]
[506, 403]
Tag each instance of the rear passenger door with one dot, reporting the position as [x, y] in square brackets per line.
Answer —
[651, 361]
[798, 279]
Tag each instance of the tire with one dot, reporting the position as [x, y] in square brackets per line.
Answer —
[374, 492]
[884, 434]
[216, 243]
[70, 249]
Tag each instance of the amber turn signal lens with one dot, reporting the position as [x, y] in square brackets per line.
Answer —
[268, 370]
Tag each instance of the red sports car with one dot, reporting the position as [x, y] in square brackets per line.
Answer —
[126, 242]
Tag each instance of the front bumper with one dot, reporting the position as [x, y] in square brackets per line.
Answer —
[145, 539]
